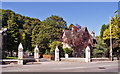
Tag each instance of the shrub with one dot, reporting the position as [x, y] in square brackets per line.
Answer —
[60, 47]
[100, 50]
[53, 46]
[68, 51]
[47, 52]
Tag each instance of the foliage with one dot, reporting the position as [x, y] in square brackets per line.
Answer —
[97, 37]
[31, 31]
[11, 58]
[48, 31]
[103, 28]
[100, 50]
[53, 46]
[70, 26]
[40, 53]
[13, 32]
[0, 18]
[47, 52]
[115, 34]
[115, 30]
[77, 39]
[19, 29]
[67, 51]
[59, 21]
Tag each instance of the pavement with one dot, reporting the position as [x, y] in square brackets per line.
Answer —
[52, 66]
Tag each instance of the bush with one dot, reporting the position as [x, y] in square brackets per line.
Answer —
[53, 46]
[60, 47]
[100, 50]
[47, 52]
[40, 53]
[68, 51]
[11, 57]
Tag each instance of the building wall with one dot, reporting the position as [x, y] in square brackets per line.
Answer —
[65, 45]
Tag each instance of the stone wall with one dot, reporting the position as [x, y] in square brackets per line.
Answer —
[83, 59]
[73, 59]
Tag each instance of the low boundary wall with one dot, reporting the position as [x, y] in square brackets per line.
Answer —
[15, 61]
[99, 59]
[73, 59]
[83, 59]
[8, 61]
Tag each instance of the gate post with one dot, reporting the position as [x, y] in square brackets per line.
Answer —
[87, 54]
[20, 54]
[36, 54]
[3, 39]
[57, 54]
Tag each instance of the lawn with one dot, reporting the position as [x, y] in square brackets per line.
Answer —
[11, 57]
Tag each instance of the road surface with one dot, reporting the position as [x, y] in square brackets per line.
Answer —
[53, 66]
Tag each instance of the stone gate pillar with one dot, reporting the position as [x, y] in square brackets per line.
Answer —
[3, 39]
[57, 54]
[87, 54]
[20, 54]
[36, 54]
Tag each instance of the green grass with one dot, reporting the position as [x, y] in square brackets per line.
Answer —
[11, 57]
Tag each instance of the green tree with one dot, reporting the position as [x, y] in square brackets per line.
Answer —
[68, 51]
[6, 14]
[59, 21]
[103, 28]
[54, 44]
[12, 33]
[0, 18]
[29, 24]
[34, 35]
[100, 50]
[115, 33]
[70, 26]
[48, 31]
[31, 31]
[19, 29]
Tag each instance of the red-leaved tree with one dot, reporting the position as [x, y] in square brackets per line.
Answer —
[78, 38]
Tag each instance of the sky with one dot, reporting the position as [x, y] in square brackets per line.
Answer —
[90, 14]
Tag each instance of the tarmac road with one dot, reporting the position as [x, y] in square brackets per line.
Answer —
[53, 66]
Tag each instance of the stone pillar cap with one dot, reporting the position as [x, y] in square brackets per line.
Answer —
[1, 31]
[87, 46]
[4, 29]
[20, 46]
[36, 47]
[57, 48]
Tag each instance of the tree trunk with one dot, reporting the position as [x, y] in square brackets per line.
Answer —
[118, 55]
[11, 53]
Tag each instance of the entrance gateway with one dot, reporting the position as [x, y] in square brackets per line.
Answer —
[57, 58]
[20, 54]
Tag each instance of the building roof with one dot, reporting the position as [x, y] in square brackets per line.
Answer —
[83, 32]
